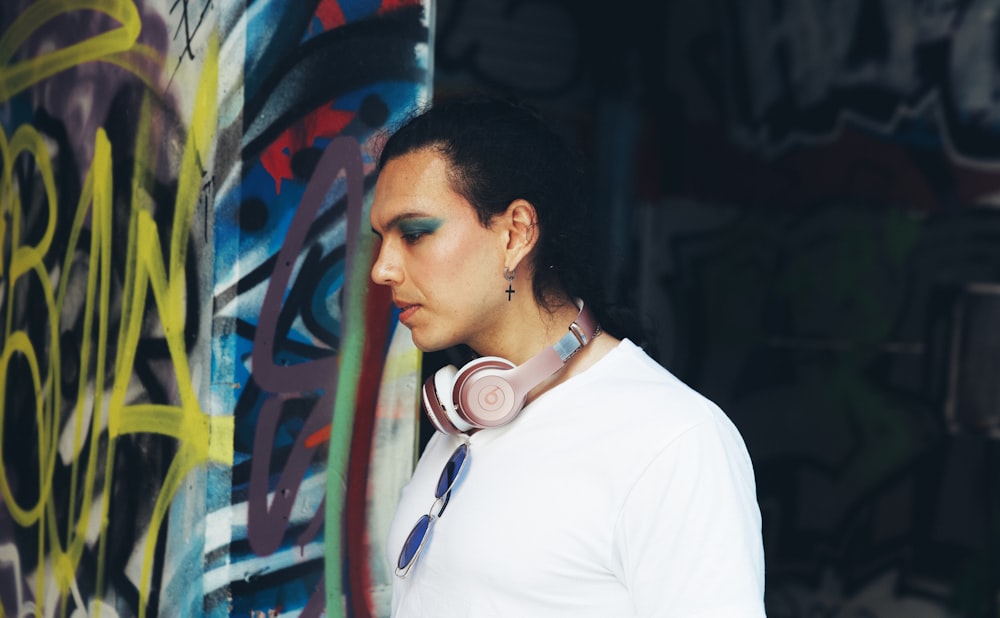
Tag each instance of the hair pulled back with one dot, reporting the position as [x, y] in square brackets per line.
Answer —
[498, 151]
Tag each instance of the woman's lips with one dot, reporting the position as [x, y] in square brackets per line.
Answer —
[406, 312]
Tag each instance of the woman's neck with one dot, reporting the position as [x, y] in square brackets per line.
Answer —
[522, 329]
[528, 328]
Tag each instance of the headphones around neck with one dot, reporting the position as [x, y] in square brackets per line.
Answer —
[490, 391]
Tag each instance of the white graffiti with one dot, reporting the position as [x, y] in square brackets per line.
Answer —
[798, 69]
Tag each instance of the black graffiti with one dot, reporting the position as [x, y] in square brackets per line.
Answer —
[283, 86]
[185, 30]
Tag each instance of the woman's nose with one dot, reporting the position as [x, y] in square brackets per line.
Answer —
[384, 270]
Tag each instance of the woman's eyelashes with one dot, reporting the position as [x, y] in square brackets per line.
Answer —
[412, 230]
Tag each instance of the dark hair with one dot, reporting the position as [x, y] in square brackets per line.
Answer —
[499, 150]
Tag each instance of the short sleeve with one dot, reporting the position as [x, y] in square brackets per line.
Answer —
[688, 538]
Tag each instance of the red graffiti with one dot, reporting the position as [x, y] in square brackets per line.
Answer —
[329, 14]
[392, 5]
[324, 122]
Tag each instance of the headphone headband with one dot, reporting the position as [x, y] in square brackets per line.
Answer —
[552, 358]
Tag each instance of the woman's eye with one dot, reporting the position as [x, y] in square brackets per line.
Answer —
[412, 231]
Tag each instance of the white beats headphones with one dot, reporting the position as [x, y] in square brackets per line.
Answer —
[490, 391]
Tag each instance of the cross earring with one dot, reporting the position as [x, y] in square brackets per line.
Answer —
[509, 276]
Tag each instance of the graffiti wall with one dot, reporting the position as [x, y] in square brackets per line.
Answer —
[206, 407]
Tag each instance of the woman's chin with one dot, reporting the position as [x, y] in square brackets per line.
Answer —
[422, 344]
[430, 344]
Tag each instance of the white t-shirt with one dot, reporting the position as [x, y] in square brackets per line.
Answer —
[620, 492]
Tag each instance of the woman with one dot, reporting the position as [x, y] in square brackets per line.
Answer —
[604, 486]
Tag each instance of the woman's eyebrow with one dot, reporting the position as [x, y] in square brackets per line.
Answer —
[395, 222]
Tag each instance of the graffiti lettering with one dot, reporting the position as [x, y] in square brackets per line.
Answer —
[163, 312]
[117, 45]
[200, 438]
[800, 70]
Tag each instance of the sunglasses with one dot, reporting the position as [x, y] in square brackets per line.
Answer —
[421, 530]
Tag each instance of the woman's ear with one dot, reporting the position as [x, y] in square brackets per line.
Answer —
[520, 221]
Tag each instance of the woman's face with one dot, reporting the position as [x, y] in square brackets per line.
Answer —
[444, 267]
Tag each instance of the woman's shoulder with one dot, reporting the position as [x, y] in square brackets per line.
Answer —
[626, 411]
[630, 387]
[629, 367]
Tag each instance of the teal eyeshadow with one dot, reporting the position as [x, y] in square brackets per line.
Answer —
[422, 225]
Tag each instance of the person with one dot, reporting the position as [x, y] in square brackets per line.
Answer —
[606, 487]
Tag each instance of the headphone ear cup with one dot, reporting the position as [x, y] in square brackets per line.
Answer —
[438, 403]
[483, 395]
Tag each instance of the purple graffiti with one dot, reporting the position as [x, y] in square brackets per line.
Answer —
[266, 525]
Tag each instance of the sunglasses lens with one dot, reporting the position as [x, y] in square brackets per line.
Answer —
[452, 470]
[418, 536]
[414, 542]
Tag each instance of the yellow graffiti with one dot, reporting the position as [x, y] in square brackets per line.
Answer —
[117, 46]
[145, 265]
[27, 261]
[201, 438]
[95, 200]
